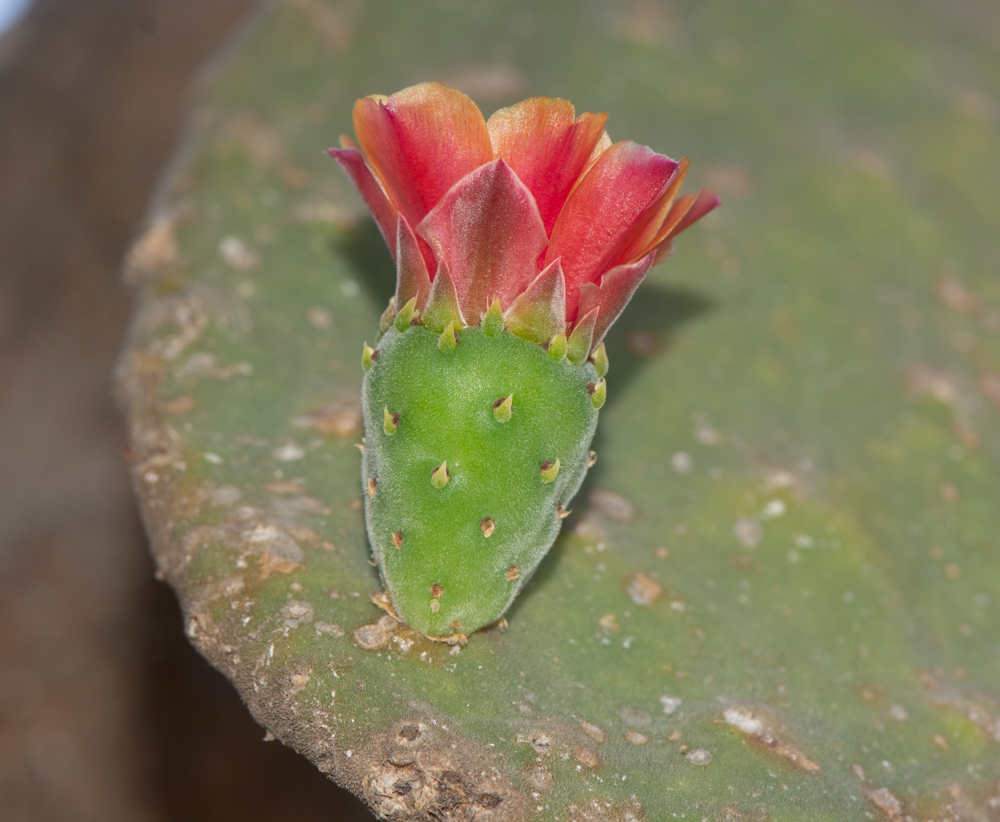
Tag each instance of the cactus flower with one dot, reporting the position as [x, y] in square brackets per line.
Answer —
[518, 241]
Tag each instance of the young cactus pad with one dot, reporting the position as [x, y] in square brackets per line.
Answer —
[466, 502]
[517, 244]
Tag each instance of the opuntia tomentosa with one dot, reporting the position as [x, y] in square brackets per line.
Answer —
[517, 244]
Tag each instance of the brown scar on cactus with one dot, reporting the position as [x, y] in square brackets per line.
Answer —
[513, 573]
[488, 526]
[397, 539]
[372, 486]
[764, 732]
[562, 511]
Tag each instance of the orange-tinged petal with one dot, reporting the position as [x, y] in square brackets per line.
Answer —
[684, 213]
[705, 201]
[547, 146]
[613, 293]
[603, 144]
[488, 231]
[420, 142]
[648, 229]
[361, 177]
[605, 213]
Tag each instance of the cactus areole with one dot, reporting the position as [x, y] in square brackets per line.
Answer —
[518, 241]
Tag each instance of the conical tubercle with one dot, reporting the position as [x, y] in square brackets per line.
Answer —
[581, 340]
[539, 312]
[442, 302]
[412, 277]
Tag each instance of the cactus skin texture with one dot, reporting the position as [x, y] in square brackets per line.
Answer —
[445, 402]
[478, 433]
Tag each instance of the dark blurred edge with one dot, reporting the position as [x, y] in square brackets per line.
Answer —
[106, 713]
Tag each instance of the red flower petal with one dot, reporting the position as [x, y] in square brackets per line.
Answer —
[683, 213]
[539, 312]
[361, 177]
[649, 227]
[606, 212]
[613, 294]
[412, 277]
[488, 231]
[420, 142]
[547, 147]
[705, 201]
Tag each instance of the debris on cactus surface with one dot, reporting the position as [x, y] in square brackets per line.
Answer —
[517, 241]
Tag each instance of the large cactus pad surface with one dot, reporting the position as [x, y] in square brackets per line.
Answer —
[778, 594]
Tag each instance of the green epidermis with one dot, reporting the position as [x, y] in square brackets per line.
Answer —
[448, 576]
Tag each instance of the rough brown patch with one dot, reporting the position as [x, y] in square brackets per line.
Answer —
[375, 635]
[488, 526]
[513, 573]
[592, 730]
[886, 802]
[415, 770]
[587, 758]
[397, 539]
[270, 564]
[763, 730]
[643, 590]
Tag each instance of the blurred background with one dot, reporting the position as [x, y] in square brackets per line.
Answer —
[106, 712]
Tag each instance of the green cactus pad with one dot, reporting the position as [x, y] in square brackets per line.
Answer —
[466, 501]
